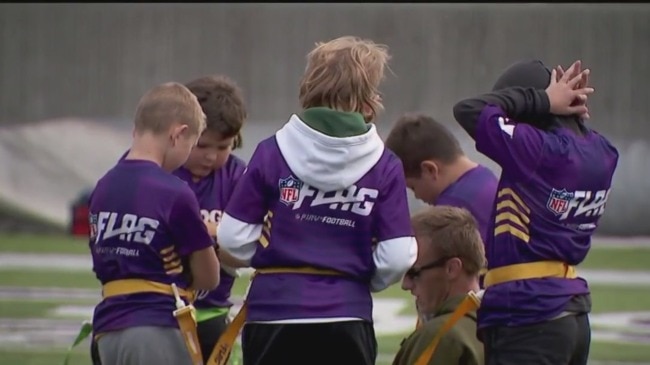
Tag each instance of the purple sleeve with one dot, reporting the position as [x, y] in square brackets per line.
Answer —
[237, 173]
[186, 225]
[248, 201]
[516, 147]
[392, 216]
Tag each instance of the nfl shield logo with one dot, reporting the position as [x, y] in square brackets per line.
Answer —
[92, 221]
[289, 190]
[558, 201]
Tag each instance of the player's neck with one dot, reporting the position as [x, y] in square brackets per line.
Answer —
[147, 147]
[457, 169]
[464, 285]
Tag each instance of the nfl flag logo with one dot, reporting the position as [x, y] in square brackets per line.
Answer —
[92, 222]
[558, 201]
[289, 190]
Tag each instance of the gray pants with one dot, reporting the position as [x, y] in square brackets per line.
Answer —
[144, 346]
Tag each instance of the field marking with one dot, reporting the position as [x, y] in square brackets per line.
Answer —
[45, 261]
[621, 242]
[622, 327]
[83, 263]
[60, 330]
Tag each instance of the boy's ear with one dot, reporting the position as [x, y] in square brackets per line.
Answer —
[177, 131]
[429, 168]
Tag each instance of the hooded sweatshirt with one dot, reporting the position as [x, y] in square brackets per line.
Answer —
[555, 181]
[323, 192]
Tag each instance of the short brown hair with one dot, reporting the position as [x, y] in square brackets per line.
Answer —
[167, 103]
[222, 102]
[418, 137]
[454, 233]
[344, 74]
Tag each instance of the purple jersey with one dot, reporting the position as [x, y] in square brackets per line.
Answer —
[213, 193]
[474, 191]
[144, 223]
[348, 224]
[552, 192]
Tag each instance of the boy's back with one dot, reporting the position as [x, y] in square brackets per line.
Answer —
[137, 214]
[475, 191]
[552, 192]
[148, 241]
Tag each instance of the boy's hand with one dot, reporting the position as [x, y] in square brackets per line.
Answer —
[212, 228]
[582, 84]
[563, 91]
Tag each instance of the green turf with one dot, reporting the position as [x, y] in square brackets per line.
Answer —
[14, 309]
[618, 259]
[48, 278]
[605, 298]
[619, 352]
[610, 298]
[27, 243]
[43, 357]
[36, 309]
[628, 258]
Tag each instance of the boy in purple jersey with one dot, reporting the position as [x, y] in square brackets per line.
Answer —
[212, 172]
[321, 213]
[555, 180]
[438, 171]
[147, 234]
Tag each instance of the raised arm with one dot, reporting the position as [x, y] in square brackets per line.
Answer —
[515, 102]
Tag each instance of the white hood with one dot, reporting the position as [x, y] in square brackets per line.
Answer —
[324, 162]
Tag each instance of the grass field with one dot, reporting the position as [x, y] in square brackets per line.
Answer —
[606, 299]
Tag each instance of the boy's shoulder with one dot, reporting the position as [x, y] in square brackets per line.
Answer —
[150, 178]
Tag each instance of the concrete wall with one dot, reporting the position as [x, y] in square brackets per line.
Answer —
[95, 60]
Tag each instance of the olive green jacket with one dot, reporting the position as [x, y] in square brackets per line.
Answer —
[459, 346]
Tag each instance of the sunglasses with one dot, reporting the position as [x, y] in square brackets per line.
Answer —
[414, 272]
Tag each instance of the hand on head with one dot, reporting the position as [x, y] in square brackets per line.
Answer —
[568, 91]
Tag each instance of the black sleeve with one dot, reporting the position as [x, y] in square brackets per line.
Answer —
[516, 102]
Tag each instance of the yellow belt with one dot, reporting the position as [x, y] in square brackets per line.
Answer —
[185, 314]
[222, 349]
[529, 270]
[499, 275]
[135, 286]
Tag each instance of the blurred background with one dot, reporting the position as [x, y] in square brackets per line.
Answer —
[71, 76]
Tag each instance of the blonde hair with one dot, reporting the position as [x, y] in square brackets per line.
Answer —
[453, 232]
[344, 74]
[165, 104]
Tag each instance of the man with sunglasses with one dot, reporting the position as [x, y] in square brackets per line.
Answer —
[450, 256]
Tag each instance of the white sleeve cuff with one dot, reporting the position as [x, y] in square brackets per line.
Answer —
[392, 259]
[238, 238]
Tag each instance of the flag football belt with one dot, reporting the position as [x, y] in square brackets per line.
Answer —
[419, 323]
[499, 275]
[529, 270]
[223, 348]
[185, 315]
[135, 286]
